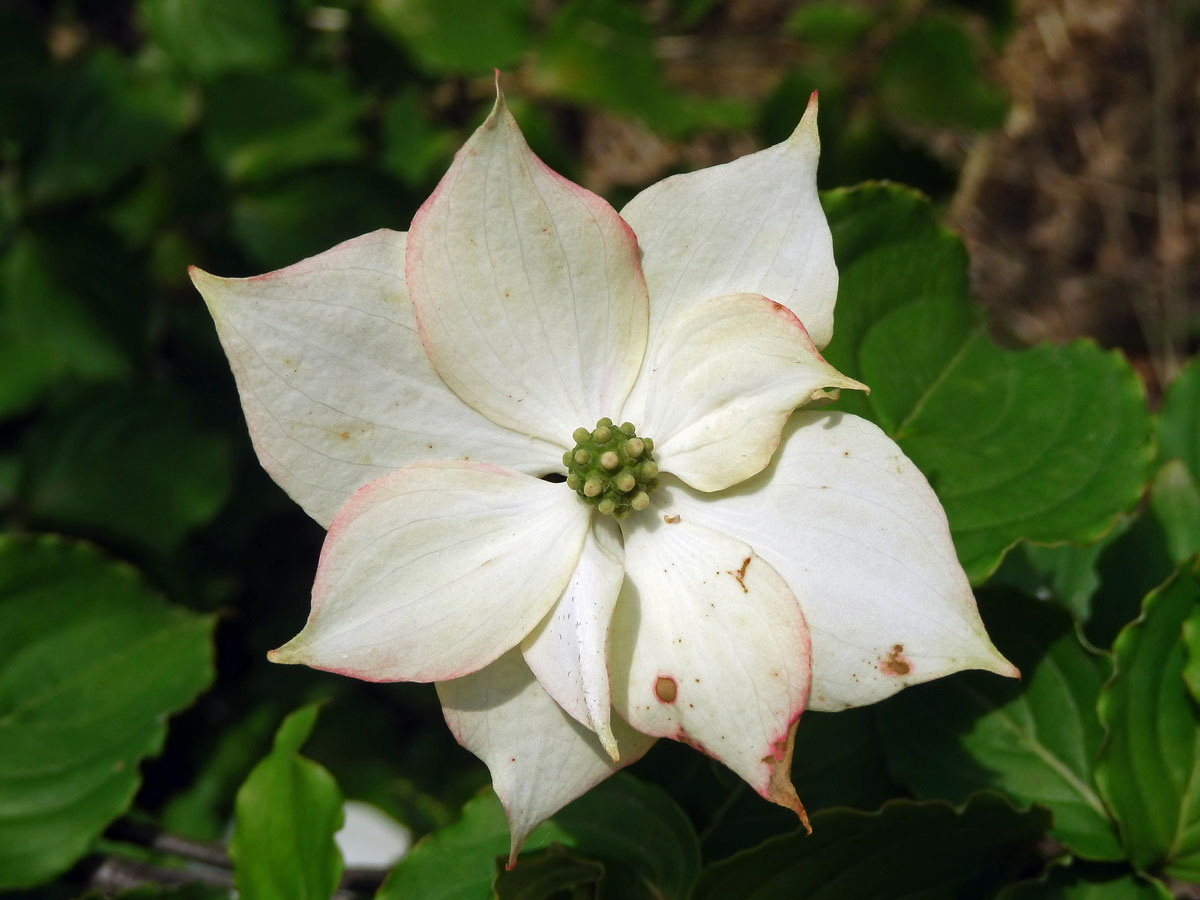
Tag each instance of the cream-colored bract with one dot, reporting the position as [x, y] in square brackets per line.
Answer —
[411, 391]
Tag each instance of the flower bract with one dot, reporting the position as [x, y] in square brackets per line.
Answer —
[726, 551]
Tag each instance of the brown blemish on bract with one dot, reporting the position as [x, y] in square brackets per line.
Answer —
[665, 689]
[740, 575]
[671, 520]
[895, 663]
[779, 786]
[344, 435]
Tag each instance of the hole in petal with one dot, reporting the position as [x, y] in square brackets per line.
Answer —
[665, 689]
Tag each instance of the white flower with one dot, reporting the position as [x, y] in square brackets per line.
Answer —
[411, 393]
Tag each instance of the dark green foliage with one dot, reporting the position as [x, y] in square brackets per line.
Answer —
[243, 135]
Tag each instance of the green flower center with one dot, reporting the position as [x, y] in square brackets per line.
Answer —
[611, 468]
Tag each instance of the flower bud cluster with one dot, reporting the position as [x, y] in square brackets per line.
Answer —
[611, 468]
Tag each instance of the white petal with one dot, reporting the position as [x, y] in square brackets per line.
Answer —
[754, 225]
[527, 288]
[540, 758]
[724, 376]
[434, 570]
[860, 537]
[568, 651]
[334, 382]
[709, 647]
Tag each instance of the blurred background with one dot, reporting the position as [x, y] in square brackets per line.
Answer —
[1060, 138]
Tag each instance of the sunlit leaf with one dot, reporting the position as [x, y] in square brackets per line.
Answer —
[1048, 444]
[92, 661]
[286, 814]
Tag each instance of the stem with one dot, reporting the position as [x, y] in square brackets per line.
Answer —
[214, 865]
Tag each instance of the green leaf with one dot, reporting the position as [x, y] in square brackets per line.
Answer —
[1078, 882]
[1034, 739]
[192, 891]
[1175, 492]
[906, 849]
[601, 53]
[832, 26]
[1065, 573]
[260, 126]
[310, 212]
[109, 116]
[1191, 669]
[648, 845]
[208, 37]
[456, 36]
[413, 149]
[126, 464]
[458, 862]
[48, 332]
[544, 874]
[203, 808]
[286, 815]
[1046, 445]
[931, 74]
[1179, 419]
[1175, 499]
[838, 761]
[79, 636]
[645, 842]
[1149, 769]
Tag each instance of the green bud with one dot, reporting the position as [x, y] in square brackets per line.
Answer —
[611, 468]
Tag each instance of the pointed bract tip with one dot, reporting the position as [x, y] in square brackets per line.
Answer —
[288, 654]
[779, 788]
[499, 106]
[609, 743]
[806, 130]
